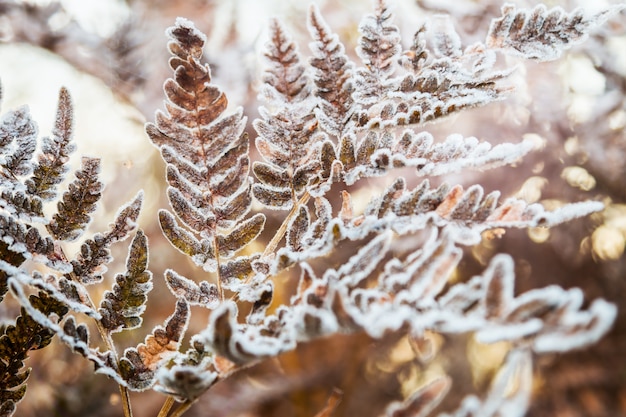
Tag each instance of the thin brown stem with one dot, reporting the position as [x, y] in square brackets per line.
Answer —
[183, 408]
[167, 406]
[271, 247]
[216, 246]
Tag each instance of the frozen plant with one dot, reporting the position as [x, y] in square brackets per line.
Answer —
[326, 126]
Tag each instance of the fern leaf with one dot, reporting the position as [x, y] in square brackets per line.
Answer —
[543, 34]
[297, 229]
[379, 50]
[121, 308]
[201, 252]
[288, 130]
[241, 236]
[206, 152]
[52, 164]
[229, 339]
[332, 77]
[61, 290]
[285, 79]
[79, 201]
[95, 253]
[446, 42]
[19, 242]
[203, 294]
[417, 55]
[125, 220]
[79, 334]
[236, 271]
[23, 206]
[498, 286]
[20, 338]
[7, 408]
[138, 366]
[186, 382]
[18, 140]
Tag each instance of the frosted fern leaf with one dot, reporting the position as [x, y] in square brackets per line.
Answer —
[121, 308]
[52, 165]
[79, 201]
[138, 366]
[332, 77]
[288, 137]
[95, 253]
[543, 34]
[207, 156]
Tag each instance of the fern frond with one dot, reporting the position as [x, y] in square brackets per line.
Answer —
[121, 308]
[206, 152]
[76, 337]
[183, 381]
[52, 164]
[379, 50]
[284, 79]
[332, 76]
[22, 205]
[61, 290]
[20, 338]
[79, 201]
[7, 408]
[19, 242]
[95, 253]
[18, 140]
[288, 138]
[203, 294]
[138, 366]
[240, 343]
[543, 34]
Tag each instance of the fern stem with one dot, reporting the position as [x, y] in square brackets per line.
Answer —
[271, 247]
[128, 412]
[216, 246]
[183, 408]
[167, 406]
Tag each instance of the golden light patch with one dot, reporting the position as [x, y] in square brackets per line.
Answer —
[607, 243]
[579, 177]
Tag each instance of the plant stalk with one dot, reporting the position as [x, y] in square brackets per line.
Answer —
[167, 406]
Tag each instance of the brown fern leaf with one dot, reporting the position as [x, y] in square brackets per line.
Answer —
[90, 264]
[79, 201]
[417, 55]
[203, 294]
[20, 242]
[332, 77]
[18, 339]
[440, 82]
[287, 129]
[138, 366]
[121, 308]
[543, 34]
[207, 156]
[379, 49]
[52, 163]
[22, 205]
[376, 153]
[18, 140]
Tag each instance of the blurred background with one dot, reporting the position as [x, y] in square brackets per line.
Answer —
[112, 56]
